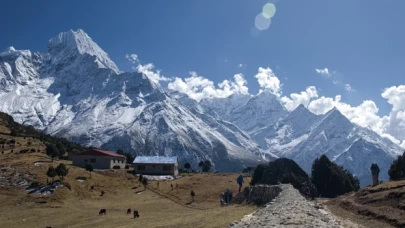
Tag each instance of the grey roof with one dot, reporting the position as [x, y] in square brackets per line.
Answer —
[155, 159]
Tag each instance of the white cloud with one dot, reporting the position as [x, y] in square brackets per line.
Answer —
[241, 65]
[268, 80]
[198, 87]
[391, 126]
[324, 71]
[147, 69]
[349, 88]
[296, 99]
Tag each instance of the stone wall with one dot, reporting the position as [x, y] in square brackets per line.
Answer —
[261, 194]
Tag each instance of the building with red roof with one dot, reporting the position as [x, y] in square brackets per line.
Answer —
[100, 159]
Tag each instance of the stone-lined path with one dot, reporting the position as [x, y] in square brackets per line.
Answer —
[291, 209]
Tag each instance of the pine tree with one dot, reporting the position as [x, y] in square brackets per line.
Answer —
[397, 169]
[207, 166]
[201, 165]
[187, 166]
[51, 172]
[61, 171]
[52, 151]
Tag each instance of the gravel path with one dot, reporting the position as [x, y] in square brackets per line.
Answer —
[290, 209]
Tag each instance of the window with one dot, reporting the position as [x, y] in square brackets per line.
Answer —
[85, 160]
[166, 168]
[93, 160]
[141, 167]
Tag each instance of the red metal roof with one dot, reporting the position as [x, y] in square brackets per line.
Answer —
[97, 152]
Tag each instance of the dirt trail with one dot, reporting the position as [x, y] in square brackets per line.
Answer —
[291, 209]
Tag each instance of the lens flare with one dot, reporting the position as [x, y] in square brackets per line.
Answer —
[262, 22]
[269, 10]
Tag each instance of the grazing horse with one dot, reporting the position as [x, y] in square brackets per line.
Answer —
[129, 211]
[136, 214]
[102, 212]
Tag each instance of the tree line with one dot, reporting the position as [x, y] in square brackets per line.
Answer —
[328, 178]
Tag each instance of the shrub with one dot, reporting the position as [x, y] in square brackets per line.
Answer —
[116, 167]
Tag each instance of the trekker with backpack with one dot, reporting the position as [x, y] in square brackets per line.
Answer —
[239, 180]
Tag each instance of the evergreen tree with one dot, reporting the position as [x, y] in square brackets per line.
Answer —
[282, 170]
[51, 172]
[187, 166]
[201, 165]
[52, 151]
[332, 180]
[207, 166]
[120, 152]
[90, 168]
[61, 171]
[130, 158]
[61, 148]
[397, 169]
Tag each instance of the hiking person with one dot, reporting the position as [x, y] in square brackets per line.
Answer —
[239, 180]
[140, 179]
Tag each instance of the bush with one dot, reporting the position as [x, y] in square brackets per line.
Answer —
[116, 167]
[282, 170]
[397, 169]
[332, 180]
[13, 132]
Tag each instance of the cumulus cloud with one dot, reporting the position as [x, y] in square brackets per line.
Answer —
[296, 99]
[391, 126]
[146, 69]
[198, 87]
[268, 81]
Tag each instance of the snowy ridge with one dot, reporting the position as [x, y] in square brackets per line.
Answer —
[74, 90]
[304, 136]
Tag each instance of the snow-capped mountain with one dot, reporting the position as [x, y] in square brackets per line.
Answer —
[304, 136]
[74, 90]
[250, 113]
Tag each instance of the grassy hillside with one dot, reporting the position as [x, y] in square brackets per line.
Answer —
[158, 206]
[379, 206]
[28, 138]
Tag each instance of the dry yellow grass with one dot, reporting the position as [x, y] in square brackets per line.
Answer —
[79, 207]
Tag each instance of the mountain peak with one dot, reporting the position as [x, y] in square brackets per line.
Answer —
[82, 43]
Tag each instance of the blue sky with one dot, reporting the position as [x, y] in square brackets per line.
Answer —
[361, 42]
